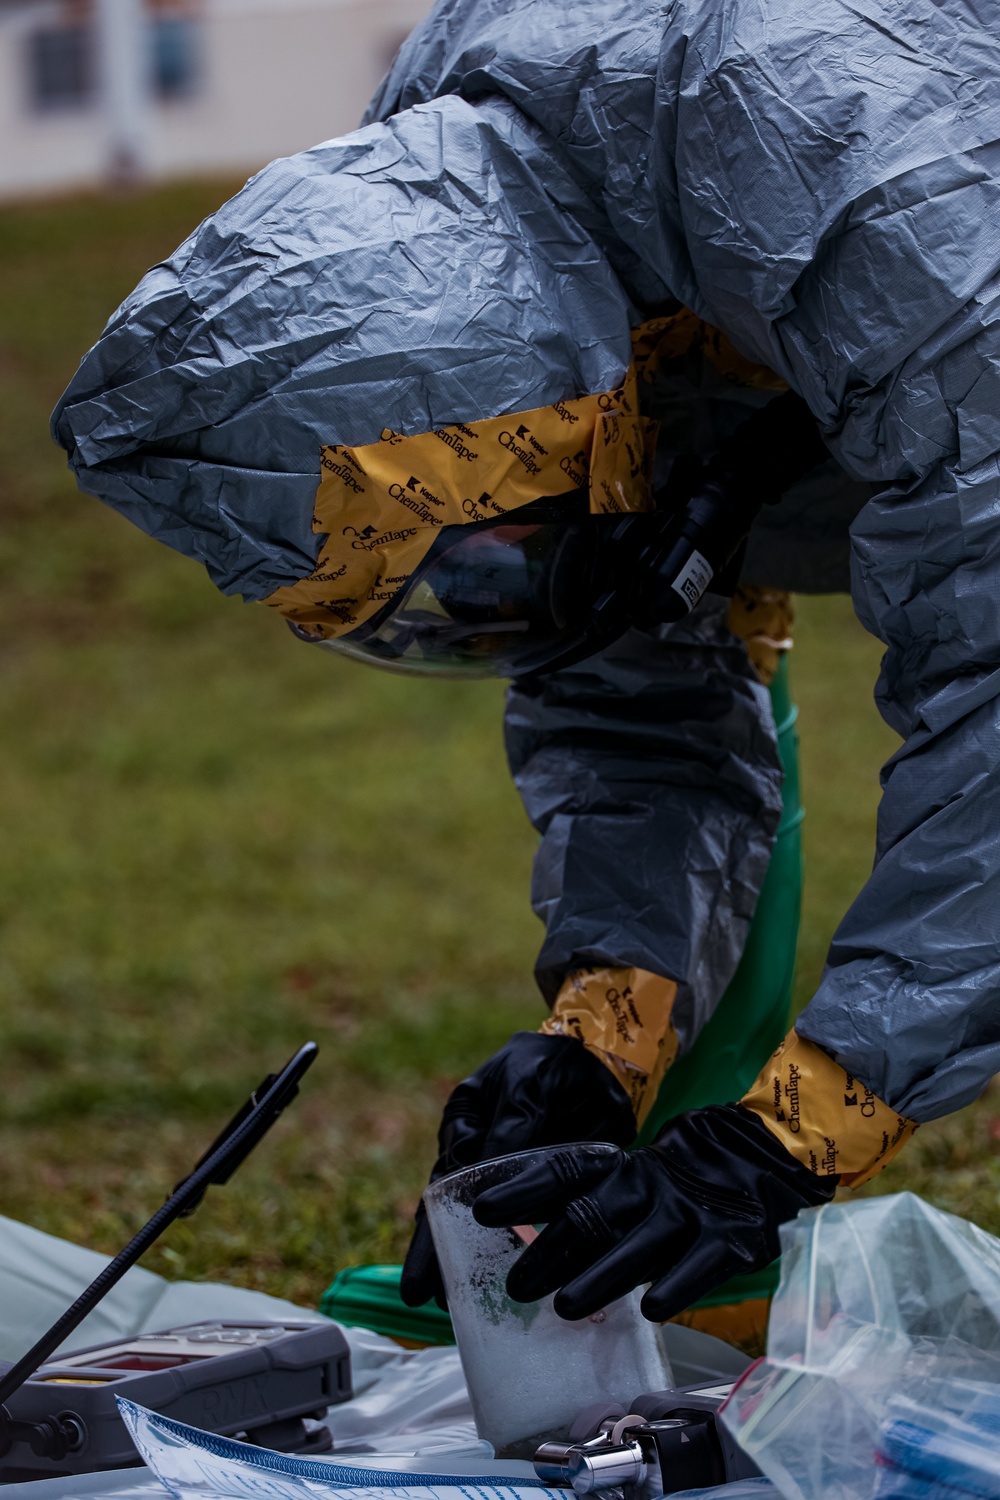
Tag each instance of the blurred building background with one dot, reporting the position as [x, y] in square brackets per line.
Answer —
[92, 90]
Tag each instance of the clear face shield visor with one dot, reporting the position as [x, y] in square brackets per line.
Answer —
[549, 584]
[500, 599]
[544, 587]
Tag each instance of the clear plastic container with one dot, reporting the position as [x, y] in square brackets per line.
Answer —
[530, 1372]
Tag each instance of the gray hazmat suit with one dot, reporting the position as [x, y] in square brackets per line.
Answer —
[821, 183]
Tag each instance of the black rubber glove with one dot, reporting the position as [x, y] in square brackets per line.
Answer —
[701, 1204]
[537, 1090]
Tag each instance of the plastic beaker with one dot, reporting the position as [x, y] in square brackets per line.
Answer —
[530, 1372]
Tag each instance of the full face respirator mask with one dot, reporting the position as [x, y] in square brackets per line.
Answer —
[549, 584]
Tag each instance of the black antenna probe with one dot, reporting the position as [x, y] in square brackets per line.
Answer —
[54, 1437]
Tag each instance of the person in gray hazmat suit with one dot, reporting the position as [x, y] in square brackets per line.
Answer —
[605, 309]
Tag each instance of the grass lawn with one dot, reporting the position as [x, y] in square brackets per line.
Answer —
[218, 843]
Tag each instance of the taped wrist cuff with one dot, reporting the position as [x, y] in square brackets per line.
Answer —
[823, 1117]
[623, 1016]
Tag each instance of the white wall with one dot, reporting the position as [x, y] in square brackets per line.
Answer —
[276, 76]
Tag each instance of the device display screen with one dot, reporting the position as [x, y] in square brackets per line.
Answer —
[140, 1359]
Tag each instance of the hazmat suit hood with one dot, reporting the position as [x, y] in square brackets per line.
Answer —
[413, 278]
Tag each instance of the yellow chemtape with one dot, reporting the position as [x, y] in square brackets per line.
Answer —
[623, 1016]
[763, 618]
[382, 505]
[824, 1117]
[681, 335]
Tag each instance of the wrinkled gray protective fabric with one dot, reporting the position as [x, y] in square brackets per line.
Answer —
[412, 274]
[651, 769]
[820, 181]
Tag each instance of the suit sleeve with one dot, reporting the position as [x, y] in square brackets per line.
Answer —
[910, 999]
[652, 774]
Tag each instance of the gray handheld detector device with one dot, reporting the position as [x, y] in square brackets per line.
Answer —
[59, 1415]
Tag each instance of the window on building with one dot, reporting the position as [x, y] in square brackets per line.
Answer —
[61, 69]
[175, 55]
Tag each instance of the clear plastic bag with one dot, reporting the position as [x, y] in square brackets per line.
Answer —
[529, 1371]
[881, 1300]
